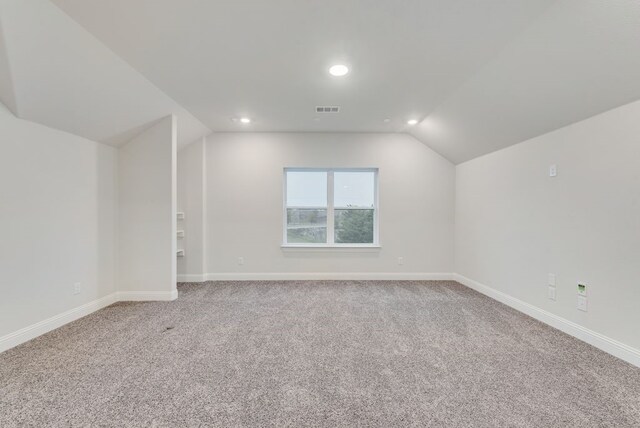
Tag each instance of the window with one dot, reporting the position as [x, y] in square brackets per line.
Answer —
[330, 207]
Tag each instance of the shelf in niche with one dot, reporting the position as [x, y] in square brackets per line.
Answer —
[180, 234]
[180, 253]
[180, 215]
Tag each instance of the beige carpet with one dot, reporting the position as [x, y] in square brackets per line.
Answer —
[349, 353]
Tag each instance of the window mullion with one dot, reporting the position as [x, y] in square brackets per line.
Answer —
[285, 212]
[330, 210]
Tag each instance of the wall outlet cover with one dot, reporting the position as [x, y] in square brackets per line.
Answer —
[582, 289]
[551, 293]
[582, 303]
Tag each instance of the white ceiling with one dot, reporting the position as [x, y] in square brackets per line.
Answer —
[580, 58]
[52, 71]
[269, 59]
[479, 75]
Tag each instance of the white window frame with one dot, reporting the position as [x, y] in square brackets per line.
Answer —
[331, 244]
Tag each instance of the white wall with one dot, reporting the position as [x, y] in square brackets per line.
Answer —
[515, 224]
[58, 211]
[244, 176]
[147, 219]
[192, 200]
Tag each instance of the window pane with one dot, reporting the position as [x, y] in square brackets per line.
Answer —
[354, 226]
[306, 188]
[354, 189]
[306, 226]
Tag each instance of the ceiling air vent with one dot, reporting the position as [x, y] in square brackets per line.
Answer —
[327, 109]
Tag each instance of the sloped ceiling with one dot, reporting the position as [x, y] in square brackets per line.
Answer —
[478, 75]
[580, 58]
[56, 73]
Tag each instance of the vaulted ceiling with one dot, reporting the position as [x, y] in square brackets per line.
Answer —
[478, 75]
[52, 71]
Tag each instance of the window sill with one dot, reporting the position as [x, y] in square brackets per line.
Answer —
[331, 248]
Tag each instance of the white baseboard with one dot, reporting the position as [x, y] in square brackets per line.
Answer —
[31, 332]
[298, 276]
[45, 326]
[147, 296]
[604, 343]
[611, 346]
[192, 277]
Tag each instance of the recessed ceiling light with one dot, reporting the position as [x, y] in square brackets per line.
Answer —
[245, 120]
[338, 70]
[412, 122]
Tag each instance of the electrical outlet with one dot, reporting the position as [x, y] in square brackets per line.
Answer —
[553, 170]
[582, 290]
[240, 261]
[551, 293]
[582, 303]
[76, 288]
[400, 261]
[552, 279]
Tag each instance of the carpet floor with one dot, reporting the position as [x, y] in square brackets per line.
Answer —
[315, 353]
